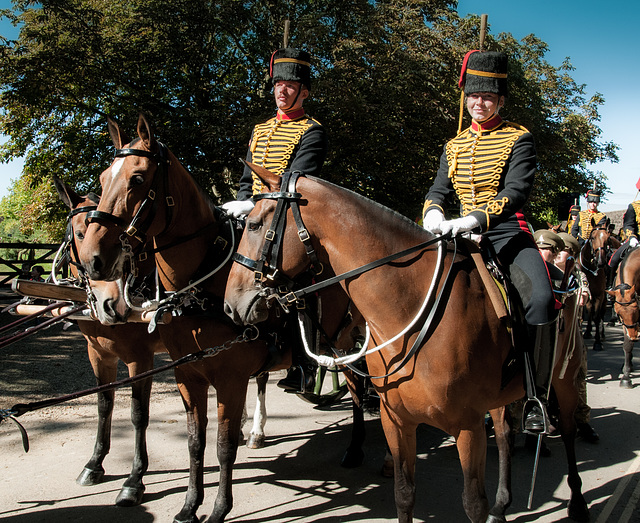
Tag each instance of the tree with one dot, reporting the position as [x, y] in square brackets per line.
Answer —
[385, 87]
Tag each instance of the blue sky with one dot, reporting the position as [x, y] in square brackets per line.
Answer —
[600, 42]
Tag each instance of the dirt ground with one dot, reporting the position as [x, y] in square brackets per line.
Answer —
[297, 476]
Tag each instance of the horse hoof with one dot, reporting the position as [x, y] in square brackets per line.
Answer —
[130, 496]
[578, 511]
[625, 383]
[496, 519]
[597, 346]
[90, 477]
[587, 336]
[352, 459]
[255, 441]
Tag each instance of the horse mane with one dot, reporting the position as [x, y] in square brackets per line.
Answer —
[203, 194]
[379, 209]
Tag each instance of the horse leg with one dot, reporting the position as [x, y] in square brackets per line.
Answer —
[505, 439]
[627, 346]
[232, 391]
[256, 437]
[589, 314]
[472, 449]
[194, 389]
[567, 394]
[105, 370]
[133, 488]
[354, 455]
[402, 444]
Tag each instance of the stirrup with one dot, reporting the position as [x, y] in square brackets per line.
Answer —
[529, 405]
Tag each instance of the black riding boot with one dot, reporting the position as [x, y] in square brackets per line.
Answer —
[301, 377]
[545, 337]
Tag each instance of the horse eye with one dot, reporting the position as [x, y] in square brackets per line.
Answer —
[138, 179]
[253, 225]
[79, 235]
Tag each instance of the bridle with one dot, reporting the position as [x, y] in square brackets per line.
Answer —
[264, 270]
[597, 253]
[139, 225]
[622, 287]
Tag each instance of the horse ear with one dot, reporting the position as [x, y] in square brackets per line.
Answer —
[611, 293]
[145, 132]
[550, 226]
[70, 198]
[118, 137]
[271, 180]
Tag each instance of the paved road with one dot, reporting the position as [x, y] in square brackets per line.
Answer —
[297, 477]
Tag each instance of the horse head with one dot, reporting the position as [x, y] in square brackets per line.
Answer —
[626, 307]
[625, 294]
[599, 241]
[106, 298]
[132, 189]
[555, 228]
[262, 263]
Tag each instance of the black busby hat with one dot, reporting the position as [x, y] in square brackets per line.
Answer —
[291, 65]
[593, 196]
[574, 210]
[484, 72]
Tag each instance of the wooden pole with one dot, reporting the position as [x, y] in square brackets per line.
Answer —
[483, 30]
[285, 39]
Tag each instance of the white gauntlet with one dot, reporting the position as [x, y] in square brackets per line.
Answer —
[633, 242]
[238, 208]
[459, 225]
[432, 221]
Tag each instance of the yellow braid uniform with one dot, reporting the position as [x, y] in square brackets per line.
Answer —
[626, 232]
[584, 223]
[273, 143]
[476, 163]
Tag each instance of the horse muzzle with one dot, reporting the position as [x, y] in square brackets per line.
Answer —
[247, 308]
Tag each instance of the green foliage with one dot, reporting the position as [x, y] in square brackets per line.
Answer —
[385, 87]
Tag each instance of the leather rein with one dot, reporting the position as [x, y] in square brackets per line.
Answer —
[265, 270]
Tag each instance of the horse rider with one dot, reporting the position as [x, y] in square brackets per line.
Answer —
[574, 211]
[630, 234]
[556, 249]
[290, 141]
[491, 166]
[588, 220]
[583, 410]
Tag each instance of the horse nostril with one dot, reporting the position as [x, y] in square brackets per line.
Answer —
[97, 264]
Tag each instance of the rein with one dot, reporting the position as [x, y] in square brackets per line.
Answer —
[271, 250]
[250, 333]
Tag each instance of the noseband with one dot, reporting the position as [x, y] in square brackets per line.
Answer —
[265, 268]
[139, 225]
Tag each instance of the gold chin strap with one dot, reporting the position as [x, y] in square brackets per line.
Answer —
[461, 112]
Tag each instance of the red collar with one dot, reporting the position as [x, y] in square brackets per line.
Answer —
[293, 115]
[487, 125]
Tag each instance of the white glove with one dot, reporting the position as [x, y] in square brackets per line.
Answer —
[459, 225]
[238, 208]
[633, 242]
[432, 221]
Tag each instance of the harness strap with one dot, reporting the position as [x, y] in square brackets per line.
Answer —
[297, 295]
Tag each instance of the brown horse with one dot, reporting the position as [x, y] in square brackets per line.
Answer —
[147, 193]
[626, 306]
[449, 380]
[129, 343]
[593, 261]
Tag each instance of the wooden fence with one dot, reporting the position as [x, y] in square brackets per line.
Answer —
[28, 255]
